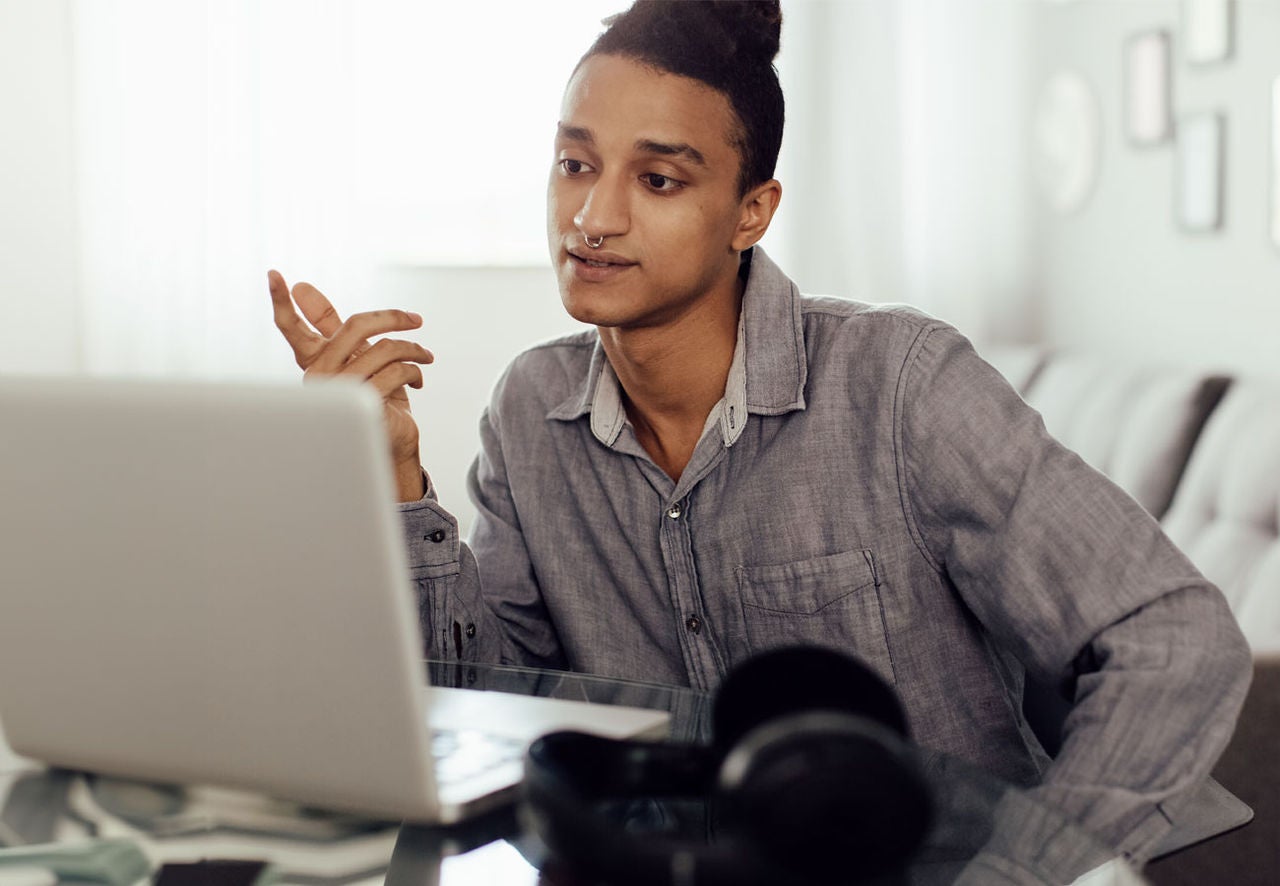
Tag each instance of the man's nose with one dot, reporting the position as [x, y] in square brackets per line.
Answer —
[606, 212]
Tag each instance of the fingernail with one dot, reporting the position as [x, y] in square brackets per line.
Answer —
[417, 318]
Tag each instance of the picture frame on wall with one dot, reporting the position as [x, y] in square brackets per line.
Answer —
[1200, 172]
[1147, 89]
[1207, 30]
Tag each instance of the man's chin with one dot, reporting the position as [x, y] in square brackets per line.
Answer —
[592, 306]
[592, 315]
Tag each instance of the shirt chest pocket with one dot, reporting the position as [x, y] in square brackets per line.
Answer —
[831, 601]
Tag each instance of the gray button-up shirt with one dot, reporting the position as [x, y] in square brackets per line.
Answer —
[867, 483]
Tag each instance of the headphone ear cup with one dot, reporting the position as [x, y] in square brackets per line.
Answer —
[792, 679]
[570, 776]
[833, 797]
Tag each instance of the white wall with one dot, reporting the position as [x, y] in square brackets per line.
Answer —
[1120, 276]
[39, 316]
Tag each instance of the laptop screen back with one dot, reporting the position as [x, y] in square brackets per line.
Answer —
[207, 582]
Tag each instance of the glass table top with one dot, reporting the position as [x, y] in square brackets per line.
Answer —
[983, 830]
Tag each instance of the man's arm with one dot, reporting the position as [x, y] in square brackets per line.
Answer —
[457, 620]
[449, 604]
[502, 619]
[1066, 571]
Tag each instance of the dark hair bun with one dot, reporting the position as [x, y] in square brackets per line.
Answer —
[741, 30]
[755, 26]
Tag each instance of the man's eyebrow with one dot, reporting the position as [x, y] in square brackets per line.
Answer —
[649, 146]
[575, 134]
[585, 136]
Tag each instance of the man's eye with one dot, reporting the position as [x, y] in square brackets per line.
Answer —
[661, 182]
[573, 167]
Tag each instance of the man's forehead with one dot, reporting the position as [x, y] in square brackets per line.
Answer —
[621, 102]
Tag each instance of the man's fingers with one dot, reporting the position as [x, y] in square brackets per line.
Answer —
[317, 309]
[301, 337]
[384, 353]
[352, 337]
[395, 377]
[324, 345]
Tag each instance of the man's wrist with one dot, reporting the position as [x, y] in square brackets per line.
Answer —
[410, 482]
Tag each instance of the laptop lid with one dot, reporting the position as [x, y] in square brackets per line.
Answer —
[207, 582]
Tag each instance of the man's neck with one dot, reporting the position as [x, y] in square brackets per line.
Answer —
[673, 375]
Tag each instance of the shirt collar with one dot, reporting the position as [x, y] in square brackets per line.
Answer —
[767, 375]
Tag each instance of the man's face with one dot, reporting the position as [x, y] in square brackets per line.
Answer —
[642, 159]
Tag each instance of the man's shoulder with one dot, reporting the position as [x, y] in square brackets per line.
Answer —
[548, 372]
[830, 310]
[864, 335]
[563, 352]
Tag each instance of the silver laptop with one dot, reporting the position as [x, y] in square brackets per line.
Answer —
[207, 583]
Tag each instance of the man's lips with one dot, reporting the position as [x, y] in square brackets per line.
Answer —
[592, 266]
[594, 259]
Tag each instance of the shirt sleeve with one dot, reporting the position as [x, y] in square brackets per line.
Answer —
[1066, 571]
[500, 619]
[454, 621]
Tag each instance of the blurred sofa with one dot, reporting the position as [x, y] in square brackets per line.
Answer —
[1201, 453]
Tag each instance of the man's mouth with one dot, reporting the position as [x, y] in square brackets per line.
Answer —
[603, 260]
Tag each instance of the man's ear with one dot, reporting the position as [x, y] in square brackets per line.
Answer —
[757, 209]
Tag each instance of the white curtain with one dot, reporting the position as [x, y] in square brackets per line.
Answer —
[903, 167]
[328, 138]
[838, 229]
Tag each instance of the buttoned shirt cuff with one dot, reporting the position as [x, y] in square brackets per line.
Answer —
[1134, 834]
[1034, 842]
[431, 535]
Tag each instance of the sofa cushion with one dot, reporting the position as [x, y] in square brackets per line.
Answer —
[1136, 424]
[1226, 515]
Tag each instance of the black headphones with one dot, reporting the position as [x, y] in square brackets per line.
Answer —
[809, 774]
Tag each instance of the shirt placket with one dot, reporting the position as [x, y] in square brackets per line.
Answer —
[696, 639]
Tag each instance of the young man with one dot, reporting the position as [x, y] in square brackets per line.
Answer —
[724, 465]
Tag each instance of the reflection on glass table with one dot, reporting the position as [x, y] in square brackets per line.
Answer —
[983, 830]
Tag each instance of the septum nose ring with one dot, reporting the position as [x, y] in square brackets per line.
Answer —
[595, 243]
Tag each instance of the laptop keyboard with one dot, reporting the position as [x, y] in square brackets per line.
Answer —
[462, 754]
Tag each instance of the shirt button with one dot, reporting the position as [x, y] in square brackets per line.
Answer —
[694, 624]
[674, 512]
[471, 631]
[437, 536]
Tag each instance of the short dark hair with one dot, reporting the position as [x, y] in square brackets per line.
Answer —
[730, 46]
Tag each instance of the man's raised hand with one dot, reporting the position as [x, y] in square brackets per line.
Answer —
[324, 345]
